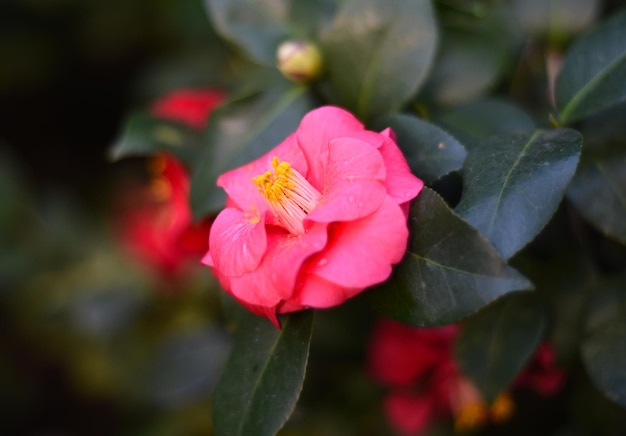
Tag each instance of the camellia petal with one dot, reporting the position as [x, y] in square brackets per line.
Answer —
[237, 241]
[317, 129]
[275, 277]
[353, 182]
[316, 291]
[362, 242]
[401, 185]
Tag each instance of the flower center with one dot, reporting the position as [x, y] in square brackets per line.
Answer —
[290, 196]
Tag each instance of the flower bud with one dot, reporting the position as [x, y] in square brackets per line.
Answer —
[299, 61]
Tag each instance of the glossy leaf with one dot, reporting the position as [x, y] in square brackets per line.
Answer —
[450, 270]
[604, 354]
[145, 135]
[479, 119]
[377, 54]
[592, 76]
[259, 26]
[430, 151]
[513, 184]
[495, 344]
[263, 376]
[467, 65]
[598, 191]
[241, 131]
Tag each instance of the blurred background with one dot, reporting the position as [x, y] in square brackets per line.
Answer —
[94, 341]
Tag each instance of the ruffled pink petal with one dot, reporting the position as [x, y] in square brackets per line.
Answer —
[401, 185]
[318, 292]
[360, 253]
[274, 279]
[409, 413]
[353, 182]
[238, 183]
[237, 242]
[316, 130]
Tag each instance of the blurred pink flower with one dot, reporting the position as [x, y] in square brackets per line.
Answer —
[188, 106]
[542, 374]
[303, 226]
[156, 225]
[426, 383]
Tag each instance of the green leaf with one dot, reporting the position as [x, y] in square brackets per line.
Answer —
[604, 354]
[240, 131]
[480, 119]
[513, 184]
[377, 54]
[145, 135]
[263, 376]
[598, 191]
[468, 64]
[495, 344]
[430, 151]
[592, 76]
[259, 26]
[449, 272]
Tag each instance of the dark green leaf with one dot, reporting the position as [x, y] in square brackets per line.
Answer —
[467, 65]
[598, 191]
[592, 76]
[241, 131]
[495, 344]
[449, 272]
[263, 376]
[378, 52]
[479, 119]
[604, 354]
[145, 135]
[259, 26]
[430, 151]
[513, 184]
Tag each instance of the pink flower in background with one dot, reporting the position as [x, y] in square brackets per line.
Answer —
[316, 220]
[542, 374]
[426, 383]
[188, 106]
[157, 226]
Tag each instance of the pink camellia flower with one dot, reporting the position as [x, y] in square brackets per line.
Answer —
[316, 220]
[426, 383]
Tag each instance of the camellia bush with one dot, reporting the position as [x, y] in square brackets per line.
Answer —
[442, 184]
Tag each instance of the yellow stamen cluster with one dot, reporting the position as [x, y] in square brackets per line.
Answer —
[470, 417]
[476, 414]
[290, 196]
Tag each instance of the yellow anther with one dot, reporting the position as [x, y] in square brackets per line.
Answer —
[290, 196]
